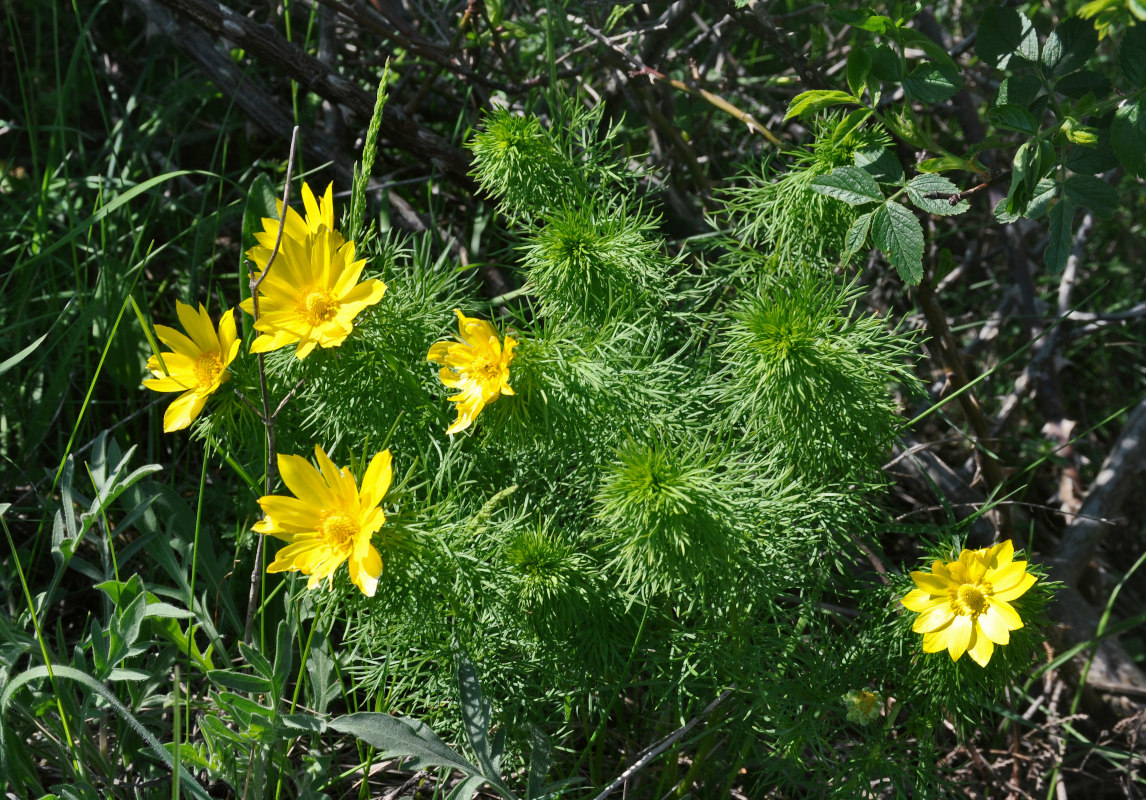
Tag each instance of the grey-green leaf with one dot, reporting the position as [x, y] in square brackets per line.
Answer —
[850, 184]
[900, 236]
[239, 681]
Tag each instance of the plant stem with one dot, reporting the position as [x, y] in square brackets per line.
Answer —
[267, 417]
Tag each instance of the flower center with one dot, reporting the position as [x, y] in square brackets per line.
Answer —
[486, 369]
[338, 530]
[318, 307]
[971, 599]
[207, 368]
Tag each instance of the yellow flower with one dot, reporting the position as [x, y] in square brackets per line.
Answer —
[319, 215]
[964, 605]
[312, 294]
[477, 364]
[329, 520]
[196, 365]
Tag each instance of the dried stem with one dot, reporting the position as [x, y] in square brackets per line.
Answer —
[267, 417]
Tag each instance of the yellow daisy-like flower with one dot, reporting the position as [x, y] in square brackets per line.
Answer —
[196, 365]
[329, 520]
[312, 294]
[964, 606]
[319, 215]
[477, 365]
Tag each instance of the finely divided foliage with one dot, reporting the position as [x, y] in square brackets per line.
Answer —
[608, 499]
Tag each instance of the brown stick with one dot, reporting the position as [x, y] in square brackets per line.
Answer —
[992, 472]
[266, 44]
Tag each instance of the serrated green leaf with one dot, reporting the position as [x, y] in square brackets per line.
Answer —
[1128, 137]
[849, 124]
[1069, 47]
[997, 36]
[1028, 48]
[1093, 193]
[850, 184]
[1061, 236]
[927, 83]
[1093, 159]
[856, 237]
[900, 236]
[919, 187]
[947, 164]
[886, 64]
[935, 52]
[859, 65]
[864, 19]
[816, 100]
[881, 164]
[1045, 191]
[1018, 90]
[1083, 82]
[1014, 118]
[1132, 55]
[1004, 217]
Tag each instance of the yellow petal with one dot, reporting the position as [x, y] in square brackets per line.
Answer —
[183, 411]
[920, 601]
[376, 482]
[304, 481]
[1018, 589]
[932, 584]
[313, 215]
[198, 325]
[1001, 554]
[165, 383]
[1006, 613]
[938, 616]
[463, 421]
[958, 637]
[994, 626]
[439, 351]
[177, 342]
[980, 648]
[340, 481]
[364, 572]
[935, 641]
[290, 514]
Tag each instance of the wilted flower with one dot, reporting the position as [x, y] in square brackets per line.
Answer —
[477, 365]
[863, 706]
[329, 520]
[964, 605]
[196, 365]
